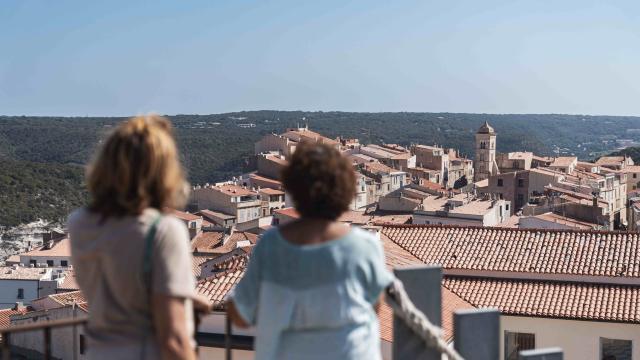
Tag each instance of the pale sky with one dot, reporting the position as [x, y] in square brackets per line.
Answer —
[185, 57]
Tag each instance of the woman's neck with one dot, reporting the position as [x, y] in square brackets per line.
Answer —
[313, 231]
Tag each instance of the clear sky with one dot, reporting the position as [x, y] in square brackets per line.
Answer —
[189, 56]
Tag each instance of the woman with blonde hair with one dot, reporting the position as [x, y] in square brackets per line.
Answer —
[132, 262]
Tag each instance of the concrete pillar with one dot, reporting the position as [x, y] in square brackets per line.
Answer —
[476, 333]
[423, 285]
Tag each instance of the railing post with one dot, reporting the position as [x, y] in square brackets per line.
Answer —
[541, 354]
[227, 337]
[423, 285]
[6, 346]
[47, 343]
[476, 333]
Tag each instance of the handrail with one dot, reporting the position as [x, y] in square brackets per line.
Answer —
[45, 326]
[81, 320]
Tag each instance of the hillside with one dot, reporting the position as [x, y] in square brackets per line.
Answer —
[44, 152]
[29, 191]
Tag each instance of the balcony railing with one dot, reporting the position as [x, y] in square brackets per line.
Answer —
[476, 332]
[44, 326]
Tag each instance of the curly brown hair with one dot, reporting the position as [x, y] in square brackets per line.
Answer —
[321, 181]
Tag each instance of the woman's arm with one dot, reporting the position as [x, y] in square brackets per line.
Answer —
[170, 325]
[235, 317]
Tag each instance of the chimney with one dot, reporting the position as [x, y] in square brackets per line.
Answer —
[19, 306]
[228, 231]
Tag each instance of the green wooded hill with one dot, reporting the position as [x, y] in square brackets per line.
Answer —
[42, 157]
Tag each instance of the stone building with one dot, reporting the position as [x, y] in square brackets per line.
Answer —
[485, 161]
[239, 201]
[450, 168]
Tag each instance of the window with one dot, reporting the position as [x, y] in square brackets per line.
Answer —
[21, 293]
[507, 207]
[635, 176]
[520, 182]
[515, 342]
[82, 345]
[49, 263]
[33, 262]
[64, 263]
[500, 182]
[613, 349]
[520, 199]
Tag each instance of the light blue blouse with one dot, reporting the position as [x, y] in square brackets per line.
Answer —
[314, 301]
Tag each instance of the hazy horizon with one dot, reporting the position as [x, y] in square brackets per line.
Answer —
[75, 58]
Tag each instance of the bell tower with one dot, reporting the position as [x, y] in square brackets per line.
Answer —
[484, 162]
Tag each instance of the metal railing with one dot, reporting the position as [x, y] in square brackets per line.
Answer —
[476, 332]
[44, 326]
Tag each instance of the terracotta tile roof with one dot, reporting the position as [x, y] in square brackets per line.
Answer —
[265, 181]
[511, 222]
[60, 248]
[567, 252]
[395, 256]
[21, 273]
[69, 283]
[305, 134]
[385, 219]
[378, 168]
[214, 215]
[182, 215]
[290, 212]
[13, 259]
[563, 220]
[69, 298]
[432, 186]
[197, 261]
[206, 240]
[269, 191]
[211, 242]
[563, 300]
[216, 287]
[610, 160]
[355, 217]
[563, 161]
[277, 159]
[5, 315]
[234, 260]
[233, 190]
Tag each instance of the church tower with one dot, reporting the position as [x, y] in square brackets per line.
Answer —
[485, 161]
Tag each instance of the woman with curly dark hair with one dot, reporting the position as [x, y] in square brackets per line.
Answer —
[311, 285]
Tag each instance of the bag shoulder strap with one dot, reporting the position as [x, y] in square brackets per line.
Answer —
[148, 251]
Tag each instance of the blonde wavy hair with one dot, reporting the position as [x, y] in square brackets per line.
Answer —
[137, 168]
